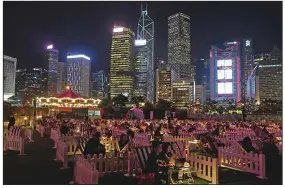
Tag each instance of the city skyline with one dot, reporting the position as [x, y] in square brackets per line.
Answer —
[94, 41]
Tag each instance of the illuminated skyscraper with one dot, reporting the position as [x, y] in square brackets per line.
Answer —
[121, 65]
[146, 32]
[269, 73]
[183, 94]
[9, 70]
[225, 73]
[50, 71]
[164, 76]
[78, 74]
[61, 79]
[247, 59]
[179, 46]
[140, 69]
[100, 84]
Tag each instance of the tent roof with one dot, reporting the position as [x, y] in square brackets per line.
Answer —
[69, 94]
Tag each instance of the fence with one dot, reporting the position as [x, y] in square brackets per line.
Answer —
[88, 171]
[54, 135]
[205, 167]
[62, 154]
[15, 143]
[248, 162]
[29, 133]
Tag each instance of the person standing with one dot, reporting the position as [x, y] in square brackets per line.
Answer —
[11, 121]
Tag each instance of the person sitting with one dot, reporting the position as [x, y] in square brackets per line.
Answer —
[93, 146]
[64, 129]
[123, 141]
[246, 144]
[165, 154]
[151, 164]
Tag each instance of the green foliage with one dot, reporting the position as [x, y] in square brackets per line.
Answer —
[104, 103]
[148, 105]
[120, 100]
[163, 104]
[137, 99]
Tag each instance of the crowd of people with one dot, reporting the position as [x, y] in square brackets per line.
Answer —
[157, 129]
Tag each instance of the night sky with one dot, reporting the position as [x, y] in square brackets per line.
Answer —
[86, 27]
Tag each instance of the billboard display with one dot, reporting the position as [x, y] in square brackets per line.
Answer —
[225, 74]
[225, 88]
[224, 63]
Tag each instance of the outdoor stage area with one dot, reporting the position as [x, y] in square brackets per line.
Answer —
[38, 167]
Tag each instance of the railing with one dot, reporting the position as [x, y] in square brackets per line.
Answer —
[88, 171]
[54, 135]
[205, 167]
[29, 133]
[15, 143]
[62, 154]
[248, 162]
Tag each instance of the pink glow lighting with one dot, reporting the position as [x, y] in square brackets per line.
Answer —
[50, 46]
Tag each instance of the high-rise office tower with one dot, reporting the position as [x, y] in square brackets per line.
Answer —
[100, 84]
[269, 73]
[121, 65]
[183, 95]
[140, 69]
[34, 82]
[225, 73]
[164, 76]
[61, 77]
[247, 59]
[179, 46]
[29, 83]
[78, 74]
[50, 72]
[21, 79]
[9, 71]
[146, 32]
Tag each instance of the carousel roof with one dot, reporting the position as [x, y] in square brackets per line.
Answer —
[69, 94]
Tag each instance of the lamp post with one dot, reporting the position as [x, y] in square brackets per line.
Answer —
[25, 118]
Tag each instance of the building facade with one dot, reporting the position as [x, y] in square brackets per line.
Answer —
[200, 94]
[21, 79]
[9, 71]
[121, 65]
[269, 72]
[183, 96]
[146, 32]
[78, 74]
[140, 69]
[179, 46]
[100, 85]
[61, 77]
[247, 59]
[225, 73]
[50, 72]
[164, 76]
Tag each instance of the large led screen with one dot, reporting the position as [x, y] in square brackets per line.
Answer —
[225, 74]
[224, 63]
[225, 88]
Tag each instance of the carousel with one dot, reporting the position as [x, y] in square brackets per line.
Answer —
[67, 100]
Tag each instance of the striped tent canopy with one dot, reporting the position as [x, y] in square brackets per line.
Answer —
[69, 94]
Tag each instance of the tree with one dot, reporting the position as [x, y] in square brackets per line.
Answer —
[163, 104]
[148, 105]
[220, 109]
[104, 103]
[137, 100]
[120, 100]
